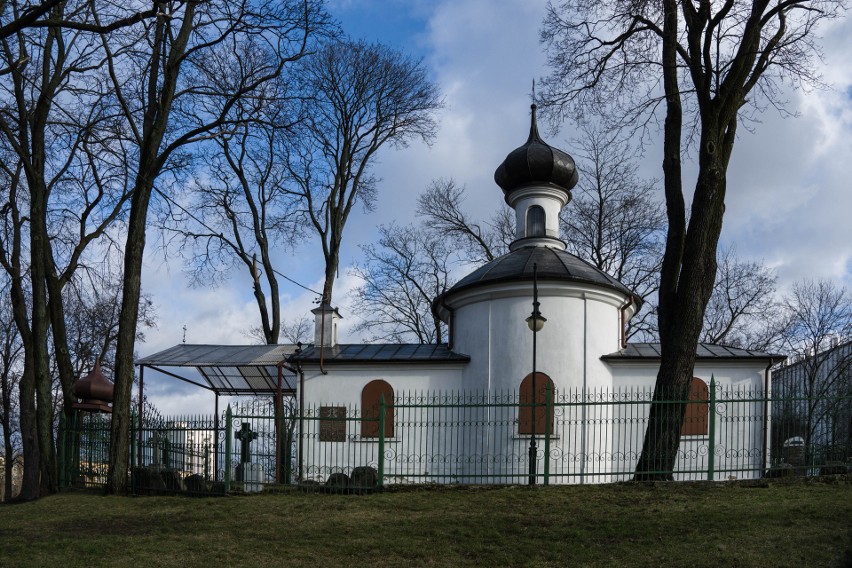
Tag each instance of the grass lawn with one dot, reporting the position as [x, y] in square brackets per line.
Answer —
[780, 523]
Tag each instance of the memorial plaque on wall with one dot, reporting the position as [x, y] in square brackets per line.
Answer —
[332, 423]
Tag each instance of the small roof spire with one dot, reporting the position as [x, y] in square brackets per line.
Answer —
[534, 135]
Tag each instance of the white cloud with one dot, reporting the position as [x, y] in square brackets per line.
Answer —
[788, 192]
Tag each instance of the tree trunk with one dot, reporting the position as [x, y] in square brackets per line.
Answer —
[9, 464]
[30, 482]
[26, 386]
[331, 262]
[6, 424]
[56, 308]
[682, 312]
[39, 316]
[61, 353]
[119, 453]
[162, 80]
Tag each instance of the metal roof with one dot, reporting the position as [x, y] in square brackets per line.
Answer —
[227, 369]
[704, 351]
[551, 263]
[382, 353]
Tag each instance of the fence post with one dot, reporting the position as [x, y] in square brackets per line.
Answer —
[288, 459]
[228, 435]
[381, 458]
[711, 458]
[74, 466]
[548, 406]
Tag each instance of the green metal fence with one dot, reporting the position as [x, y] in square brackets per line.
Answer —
[584, 437]
[579, 436]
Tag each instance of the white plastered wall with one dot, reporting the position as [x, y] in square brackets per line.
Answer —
[583, 322]
[739, 441]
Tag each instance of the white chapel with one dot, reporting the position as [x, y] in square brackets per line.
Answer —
[580, 356]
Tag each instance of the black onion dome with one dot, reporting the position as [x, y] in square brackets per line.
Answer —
[536, 162]
[551, 264]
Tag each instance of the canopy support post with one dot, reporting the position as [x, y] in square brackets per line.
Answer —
[216, 438]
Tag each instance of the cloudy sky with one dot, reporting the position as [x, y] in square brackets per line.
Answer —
[788, 203]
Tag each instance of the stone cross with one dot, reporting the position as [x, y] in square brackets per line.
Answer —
[245, 436]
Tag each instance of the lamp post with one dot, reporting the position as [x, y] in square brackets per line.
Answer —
[535, 323]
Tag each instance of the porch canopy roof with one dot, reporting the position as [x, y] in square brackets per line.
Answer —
[227, 369]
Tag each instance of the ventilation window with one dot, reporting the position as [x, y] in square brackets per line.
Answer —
[535, 221]
[332, 423]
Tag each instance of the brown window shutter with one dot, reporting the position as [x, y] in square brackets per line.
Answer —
[370, 407]
[525, 425]
[695, 419]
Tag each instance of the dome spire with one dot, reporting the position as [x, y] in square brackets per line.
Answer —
[534, 135]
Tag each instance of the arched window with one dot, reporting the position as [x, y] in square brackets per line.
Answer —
[525, 422]
[370, 408]
[695, 419]
[535, 221]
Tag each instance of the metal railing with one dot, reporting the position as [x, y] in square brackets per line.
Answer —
[591, 436]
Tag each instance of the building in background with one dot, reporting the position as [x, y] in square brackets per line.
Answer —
[812, 421]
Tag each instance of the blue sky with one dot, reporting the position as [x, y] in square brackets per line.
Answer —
[789, 198]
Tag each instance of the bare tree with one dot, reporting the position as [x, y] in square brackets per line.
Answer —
[818, 336]
[698, 69]
[402, 274]
[176, 83]
[92, 305]
[59, 122]
[441, 207]
[359, 98]
[743, 310]
[297, 330]
[616, 222]
[245, 210]
[69, 200]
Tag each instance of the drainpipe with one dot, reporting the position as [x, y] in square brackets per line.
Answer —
[451, 324]
[584, 428]
[624, 321]
[765, 417]
[301, 417]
